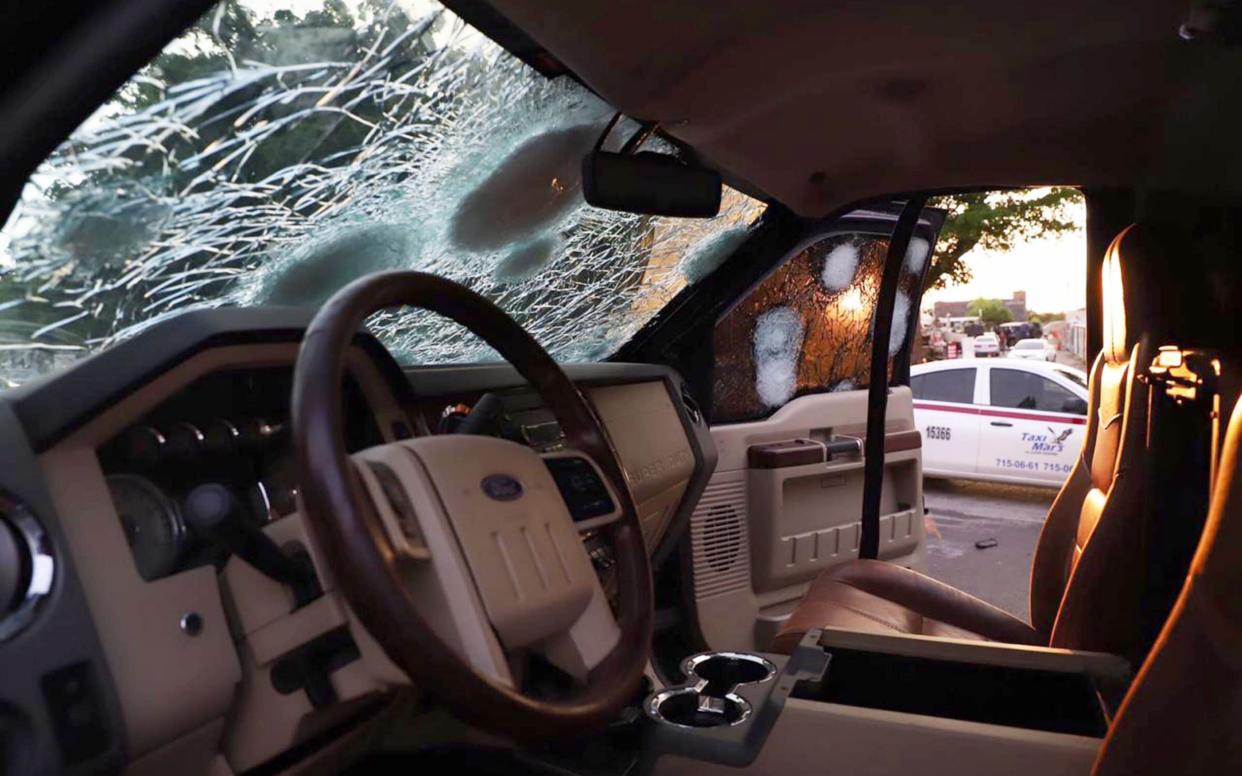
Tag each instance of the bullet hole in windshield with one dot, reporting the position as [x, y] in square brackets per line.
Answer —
[532, 188]
[526, 261]
[316, 272]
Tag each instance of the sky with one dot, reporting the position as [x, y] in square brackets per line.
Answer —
[1051, 271]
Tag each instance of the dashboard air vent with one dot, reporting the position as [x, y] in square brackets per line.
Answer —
[27, 568]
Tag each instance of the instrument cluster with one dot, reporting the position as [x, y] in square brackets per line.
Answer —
[229, 428]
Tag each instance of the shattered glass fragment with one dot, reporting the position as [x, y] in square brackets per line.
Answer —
[835, 344]
[916, 255]
[840, 266]
[532, 188]
[271, 155]
[900, 325]
[703, 259]
[526, 260]
[314, 273]
[778, 342]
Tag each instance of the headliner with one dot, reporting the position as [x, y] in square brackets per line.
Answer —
[819, 106]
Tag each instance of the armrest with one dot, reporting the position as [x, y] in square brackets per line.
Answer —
[1101, 666]
[933, 598]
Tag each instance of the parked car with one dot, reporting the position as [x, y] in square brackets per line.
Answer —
[987, 346]
[1015, 331]
[1033, 350]
[1009, 421]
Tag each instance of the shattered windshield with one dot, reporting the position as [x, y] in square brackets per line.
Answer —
[281, 148]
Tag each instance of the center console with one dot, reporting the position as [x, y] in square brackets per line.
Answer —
[857, 703]
[728, 704]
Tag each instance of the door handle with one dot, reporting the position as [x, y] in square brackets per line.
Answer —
[1002, 423]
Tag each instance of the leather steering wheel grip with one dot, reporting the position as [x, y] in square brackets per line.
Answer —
[355, 547]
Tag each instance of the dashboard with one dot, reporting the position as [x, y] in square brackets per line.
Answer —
[150, 630]
[229, 428]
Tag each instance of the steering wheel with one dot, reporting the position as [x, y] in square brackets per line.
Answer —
[480, 488]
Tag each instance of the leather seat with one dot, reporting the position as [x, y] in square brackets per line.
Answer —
[1087, 576]
[1183, 712]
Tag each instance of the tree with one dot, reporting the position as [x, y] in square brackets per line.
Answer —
[995, 220]
[990, 311]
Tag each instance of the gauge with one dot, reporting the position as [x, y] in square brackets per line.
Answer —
[185, 440]
[143, 446]
[260, 503]
[257, 432]
[221, 436]
[152, 523]
[275, 495]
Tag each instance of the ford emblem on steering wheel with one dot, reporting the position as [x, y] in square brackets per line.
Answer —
[502, 487]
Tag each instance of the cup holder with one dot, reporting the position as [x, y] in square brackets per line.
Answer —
[724, 671]
[709, 696]
[685, 707]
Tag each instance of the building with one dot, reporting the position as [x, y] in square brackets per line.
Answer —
[942, 310]
[1016, 305]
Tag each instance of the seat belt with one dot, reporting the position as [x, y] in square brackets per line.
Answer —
[877, 392]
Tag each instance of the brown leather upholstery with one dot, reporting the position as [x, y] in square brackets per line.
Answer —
[1087, 574]
[1183, 713]
[871, 595]
[1099, 608]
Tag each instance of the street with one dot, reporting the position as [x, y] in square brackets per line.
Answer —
[963, 512]
[1063, 356]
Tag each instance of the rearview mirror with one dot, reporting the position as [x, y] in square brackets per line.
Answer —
[651, 184]
[1076, 406]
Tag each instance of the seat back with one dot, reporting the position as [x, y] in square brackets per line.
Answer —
[1087, 574]
[1183, 713]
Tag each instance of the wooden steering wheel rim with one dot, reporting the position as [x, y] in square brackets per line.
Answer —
[354, 546]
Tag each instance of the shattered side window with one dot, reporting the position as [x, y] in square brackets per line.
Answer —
[282, 148]
[806, 328]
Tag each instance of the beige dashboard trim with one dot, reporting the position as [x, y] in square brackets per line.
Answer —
[200, 746]
[169, 684]
[653, 449]
[126, 411]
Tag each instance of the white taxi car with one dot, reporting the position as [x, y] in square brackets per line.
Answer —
[1005, 421]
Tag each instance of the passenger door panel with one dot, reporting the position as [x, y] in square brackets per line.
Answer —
[806, 517]
[785, 366]
[762, 533]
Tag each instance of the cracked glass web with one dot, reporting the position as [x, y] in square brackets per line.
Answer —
[807, 327]
[279, 150]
